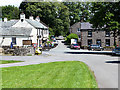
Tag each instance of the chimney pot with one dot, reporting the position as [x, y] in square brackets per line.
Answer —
[5, 19]
[31, 18]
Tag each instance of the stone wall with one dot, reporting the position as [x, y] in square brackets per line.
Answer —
[95, 35]
[18, 51]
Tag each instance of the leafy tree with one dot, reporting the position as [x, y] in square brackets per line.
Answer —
[54, 14]
[78, 11]
[10, 12]
[106, 16]
[71, 36]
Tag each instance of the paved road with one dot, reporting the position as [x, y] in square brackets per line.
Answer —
[104, 67]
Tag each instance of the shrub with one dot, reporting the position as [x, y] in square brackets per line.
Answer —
[71, 36]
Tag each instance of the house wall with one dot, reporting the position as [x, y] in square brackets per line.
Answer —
[8, 39]
[25, 24]
[95, 35]
[74, 28]
[46, 33]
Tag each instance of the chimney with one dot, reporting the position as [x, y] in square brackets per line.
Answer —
[22, 17]
[82, 19]
[5, 19]
[31, 18]
[37, 18]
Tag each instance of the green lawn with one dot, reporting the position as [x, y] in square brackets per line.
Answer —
[68, 74]
[8, 61]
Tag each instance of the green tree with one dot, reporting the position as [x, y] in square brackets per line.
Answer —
[10, 12]
[54, 14]
[71, 36]
[106, 16]
[78, 11]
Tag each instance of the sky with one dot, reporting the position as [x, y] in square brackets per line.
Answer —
[10, 2]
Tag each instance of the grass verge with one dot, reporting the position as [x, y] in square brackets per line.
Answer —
[67, 74]
[8, 61]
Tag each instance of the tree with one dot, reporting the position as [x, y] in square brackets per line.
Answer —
[71, 36]
[54, 14]
[10, 12]
[78, 11]
[106, 16]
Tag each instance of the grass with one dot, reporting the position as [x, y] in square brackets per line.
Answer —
[67, 74]
[8, 61]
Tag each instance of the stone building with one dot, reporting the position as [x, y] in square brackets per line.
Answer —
[88, 35]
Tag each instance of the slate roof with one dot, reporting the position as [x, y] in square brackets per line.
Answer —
[86, 25]
[36, 24]
[75, 24]
[13, 31]
[9, 23]
[83, 25]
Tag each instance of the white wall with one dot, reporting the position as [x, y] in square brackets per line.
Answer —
[34, 34]
[8, 39]
[45, 33]
[23, 24]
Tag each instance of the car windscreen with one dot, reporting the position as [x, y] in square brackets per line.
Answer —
[75, 44]
[95, 45]
[118, 49]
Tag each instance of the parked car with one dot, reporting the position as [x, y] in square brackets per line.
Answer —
[116, 51]
[55, 42]
[75, 46]
[95, 47]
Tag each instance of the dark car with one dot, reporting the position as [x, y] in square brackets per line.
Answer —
[95, 47]
[116, 51]
[75, 46]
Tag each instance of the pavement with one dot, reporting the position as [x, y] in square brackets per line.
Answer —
[105, 67]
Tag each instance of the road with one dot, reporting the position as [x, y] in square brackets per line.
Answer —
[105, 67]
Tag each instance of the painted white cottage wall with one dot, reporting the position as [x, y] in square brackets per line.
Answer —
[19, 40]
[8, 39]
[46, 33]
[25, 24]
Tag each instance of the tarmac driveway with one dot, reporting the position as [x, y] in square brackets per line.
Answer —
[105, 67]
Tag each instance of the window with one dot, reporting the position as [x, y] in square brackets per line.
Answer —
[107, 42]
[13, 40]
[89, 41]
[98, 42]
[107, 33]
[89, 33]
[79, 36]
[21, 20]
[78, 30]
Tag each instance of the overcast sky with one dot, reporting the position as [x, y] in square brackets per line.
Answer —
[10, 2]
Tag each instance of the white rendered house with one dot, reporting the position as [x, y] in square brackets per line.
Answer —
[17, 31]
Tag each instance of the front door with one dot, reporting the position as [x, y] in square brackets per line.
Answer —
[98, 42]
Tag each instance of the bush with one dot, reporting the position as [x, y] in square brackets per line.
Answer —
[71, 36]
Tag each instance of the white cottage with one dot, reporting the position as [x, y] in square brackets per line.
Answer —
[19, 32]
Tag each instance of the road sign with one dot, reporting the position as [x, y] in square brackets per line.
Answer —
[34, 45]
